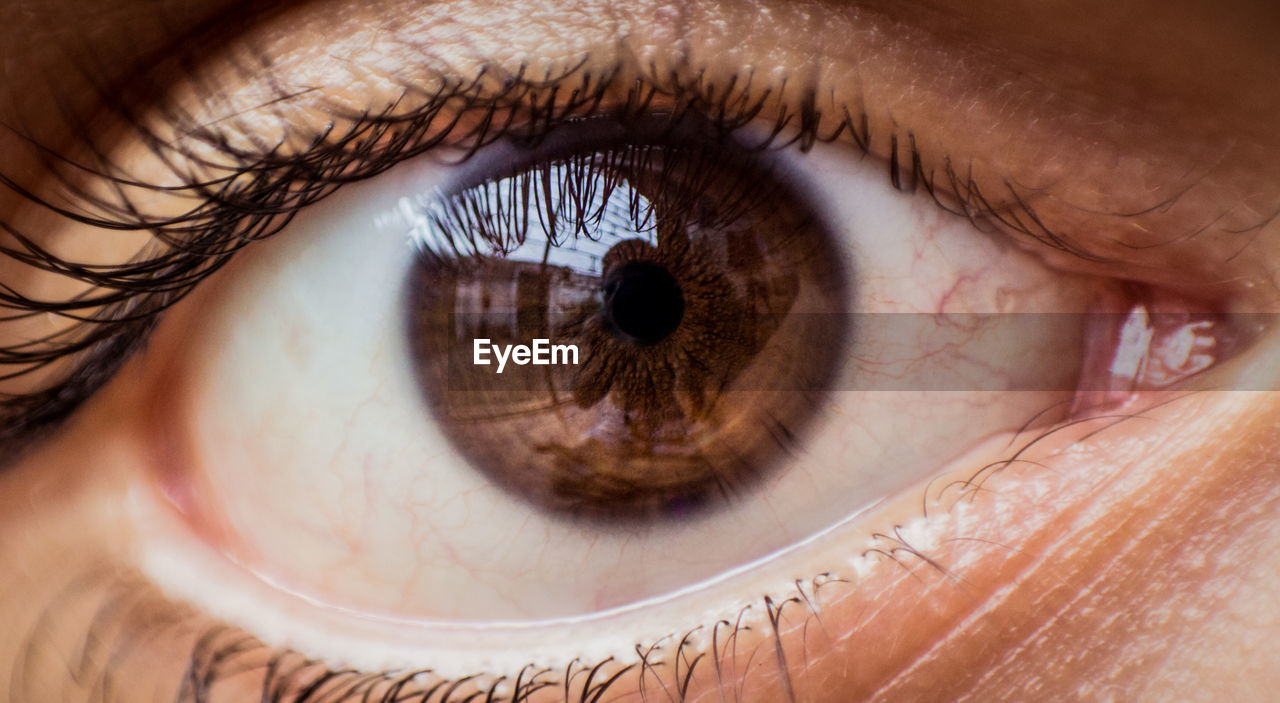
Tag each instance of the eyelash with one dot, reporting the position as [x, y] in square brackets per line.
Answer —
[280, 185]
[570, 195]
[260, 190]
[128, 610]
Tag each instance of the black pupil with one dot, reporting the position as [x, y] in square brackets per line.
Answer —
[643, 302]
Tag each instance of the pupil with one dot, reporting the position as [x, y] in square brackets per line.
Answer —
[643, 302]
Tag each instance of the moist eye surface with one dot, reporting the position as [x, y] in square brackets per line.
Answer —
[702, 300]
[337, 436]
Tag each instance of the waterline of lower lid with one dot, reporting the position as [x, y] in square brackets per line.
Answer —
[183, 567]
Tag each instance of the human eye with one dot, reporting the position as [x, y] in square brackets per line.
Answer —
[977, 405]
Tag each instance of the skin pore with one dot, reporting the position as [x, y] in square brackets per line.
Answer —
[1130, 560]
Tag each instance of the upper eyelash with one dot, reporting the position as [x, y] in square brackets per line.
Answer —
[260, 189]
[582, 194]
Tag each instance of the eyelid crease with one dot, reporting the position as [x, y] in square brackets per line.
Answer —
[233, 195]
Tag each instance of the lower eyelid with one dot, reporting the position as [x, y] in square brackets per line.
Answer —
[936, 583]
[869, 598]
[896, 568]
[966, 572]
[926, 609]
[909, 585]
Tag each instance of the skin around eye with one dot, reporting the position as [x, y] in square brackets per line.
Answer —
[1130, 561]
[337, 466]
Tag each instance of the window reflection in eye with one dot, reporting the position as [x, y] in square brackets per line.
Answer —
[700, 460]
[819, 449]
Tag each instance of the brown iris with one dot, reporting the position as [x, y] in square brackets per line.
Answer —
[704, 299]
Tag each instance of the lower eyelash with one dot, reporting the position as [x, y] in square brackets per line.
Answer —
[222, 653]
[130, 613]
[111, 614]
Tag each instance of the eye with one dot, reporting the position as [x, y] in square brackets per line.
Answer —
[958, 487]
[699, 302]
[767, 342]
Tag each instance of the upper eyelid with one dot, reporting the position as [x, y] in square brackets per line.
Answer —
[904, 178]
[521, 105]
[251, 194]
[995, 190]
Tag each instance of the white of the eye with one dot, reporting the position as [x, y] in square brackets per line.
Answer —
[306, 417]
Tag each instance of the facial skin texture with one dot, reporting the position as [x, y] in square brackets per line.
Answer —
[1128, 560]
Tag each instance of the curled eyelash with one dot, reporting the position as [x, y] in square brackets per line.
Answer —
[609, 189]
[128, 616]
[242, 194]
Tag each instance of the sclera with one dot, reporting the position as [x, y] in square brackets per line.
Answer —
[301, 446]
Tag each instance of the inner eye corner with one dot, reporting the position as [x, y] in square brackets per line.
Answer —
[671, 333]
